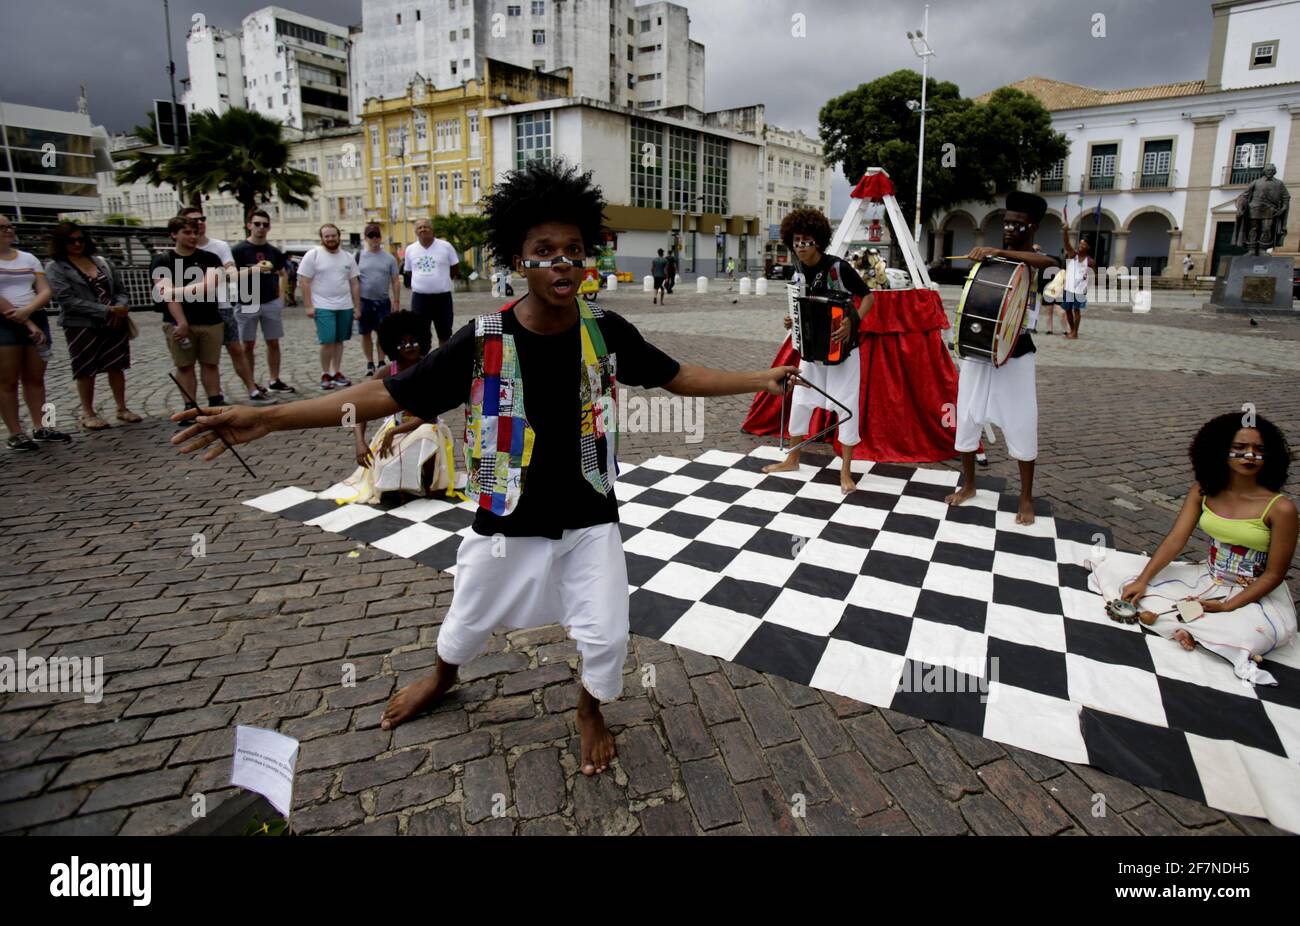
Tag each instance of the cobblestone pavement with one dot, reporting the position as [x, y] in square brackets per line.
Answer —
[96, 559]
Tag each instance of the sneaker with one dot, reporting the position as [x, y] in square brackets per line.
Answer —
[21, 441]
[326, 382]
[216, 401]
[341, 380]
[51, 436]
[260, 397]
[278, 386]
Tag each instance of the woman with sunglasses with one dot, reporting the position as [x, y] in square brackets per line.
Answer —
[94, 315]
[24, 341]
[1236, 602]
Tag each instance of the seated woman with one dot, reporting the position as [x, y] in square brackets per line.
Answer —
[406, 454]
[1235, 604]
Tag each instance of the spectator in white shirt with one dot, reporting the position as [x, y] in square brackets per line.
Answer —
[331, 291]
[432, 264]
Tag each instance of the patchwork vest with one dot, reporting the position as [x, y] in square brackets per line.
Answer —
[498, 439]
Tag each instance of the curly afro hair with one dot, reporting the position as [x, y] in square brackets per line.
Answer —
[536, 194]
[1209, 453]
[809, 222]
[397, 326]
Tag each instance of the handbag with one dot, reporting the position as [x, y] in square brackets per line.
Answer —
[1056, 288]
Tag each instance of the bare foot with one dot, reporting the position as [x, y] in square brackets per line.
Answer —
[417, 697]
[786, 466]
[964, 494]
[1185, 640]
[847, 483]
[1025, 513]
[597, 741]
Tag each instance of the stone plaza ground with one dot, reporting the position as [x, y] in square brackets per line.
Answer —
[96, 559]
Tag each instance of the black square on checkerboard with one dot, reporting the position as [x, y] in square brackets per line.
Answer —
[1142, 753]
[453, 519]
[657, 498]
[967, 613]
[1080, 532]
[1073, 576]
[1011, 503]
[309, 510]
[627, 531]
[743, 514]
[653, 615]
[681, 524]
[752, 464]
[1287, 690]
[752, 598]
[1030, 667]
[1025, 545]
[1111, 644]
[773, 543]
[783, 484]
[892, 471]
[784, 651]
[706, 471]
[642, 476]
[811, 508]
[373, 529]
[850, 535]
[1219, 715]
[1032, 596]
[875, 629]
[819, 460]
[827, 477]
[905, 570]
[720, 492]
[959, 707]
[914, 525]
[641, 569]
[959, 554]
[822, 582]
[864, 498]
[972, 514]
[927, 490]
[441, 555]
[712, 557]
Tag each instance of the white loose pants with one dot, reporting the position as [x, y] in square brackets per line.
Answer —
[1004, 396]
[840, 380]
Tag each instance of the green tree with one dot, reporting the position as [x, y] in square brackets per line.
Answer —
[117, 218]
[973, 151]
[465, 233]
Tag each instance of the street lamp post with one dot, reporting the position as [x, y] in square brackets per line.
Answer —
[921, 48]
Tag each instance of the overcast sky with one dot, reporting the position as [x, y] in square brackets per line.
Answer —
[117, 48]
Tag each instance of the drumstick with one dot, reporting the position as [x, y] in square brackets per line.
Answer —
[214, 430]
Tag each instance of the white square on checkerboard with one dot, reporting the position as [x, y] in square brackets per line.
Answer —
[1029, 568]
[925, 507]
[796, 525]
[759, 567]
[421, 509]
[703, 507]
[1020, 625]
[740, 477]
[860, 516]
[936, 477]
[802, 611]
[656, 544]
[1286, 721]
[678, 580]
[1072, 551]
[804, 473]
[1115, 689]
[904, 545]
[1043, 526]
[639, 515]
[712, 631]
[858, 672]
[883, 595]
[983, 499]
[726, 533]
[346, 516]
[821, 491]
[1088, 606]
[768, 452]
[838, 556]
[719, 458]
[886, 485]
[1034, 721]
[681, 485]
[411, 540]
[765, 500]
[1222, 767]
[968, 535]
[1199, 667]
[1288, 655]
[959, 581]
[664, 464]
[626, 491]
[939, 644]
[280, 499]
[855, 466]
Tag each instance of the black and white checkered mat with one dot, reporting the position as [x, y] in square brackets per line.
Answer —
[891, 597]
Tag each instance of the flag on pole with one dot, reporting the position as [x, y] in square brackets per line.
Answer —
[1097, 212]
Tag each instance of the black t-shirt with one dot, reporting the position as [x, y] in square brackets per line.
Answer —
[1025, 343]
[555, 495]
[247, 254]
[191, 269]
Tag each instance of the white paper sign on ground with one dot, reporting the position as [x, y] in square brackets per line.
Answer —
[264, 762]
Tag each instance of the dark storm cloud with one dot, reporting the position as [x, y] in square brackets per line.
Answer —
[117, 48]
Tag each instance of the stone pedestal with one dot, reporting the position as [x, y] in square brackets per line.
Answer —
[1255, 286]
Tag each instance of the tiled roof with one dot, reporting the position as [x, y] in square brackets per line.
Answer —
[1057, 94]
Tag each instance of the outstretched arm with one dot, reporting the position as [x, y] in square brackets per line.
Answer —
[1065, 236]
[705, 381]
[1170, 547]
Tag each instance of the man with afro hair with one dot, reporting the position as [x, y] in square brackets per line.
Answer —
[539, 378]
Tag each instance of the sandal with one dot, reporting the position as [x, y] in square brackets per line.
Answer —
[128, 416]
[93, 422]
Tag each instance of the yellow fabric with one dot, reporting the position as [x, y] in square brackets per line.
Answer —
[1251, 533]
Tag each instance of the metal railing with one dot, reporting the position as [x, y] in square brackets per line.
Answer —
[1158, 181]
[1051, 184]
[1102, 182]
[1240, 176]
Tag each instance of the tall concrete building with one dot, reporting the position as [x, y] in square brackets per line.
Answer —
[794, 174]
[282, 64]
[621, 53]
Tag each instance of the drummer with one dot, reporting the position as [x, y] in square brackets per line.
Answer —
[1005, 395]
[807, 232]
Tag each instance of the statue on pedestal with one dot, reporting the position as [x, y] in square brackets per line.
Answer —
[1262, 213]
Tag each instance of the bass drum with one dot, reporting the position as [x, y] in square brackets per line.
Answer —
[991, 311]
